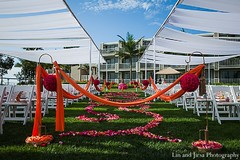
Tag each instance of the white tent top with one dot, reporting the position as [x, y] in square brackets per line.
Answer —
[215, 16]
[49, 25]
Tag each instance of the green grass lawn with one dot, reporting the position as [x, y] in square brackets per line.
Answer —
[178, 122]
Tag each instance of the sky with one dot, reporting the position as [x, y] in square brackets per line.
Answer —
[105, 19]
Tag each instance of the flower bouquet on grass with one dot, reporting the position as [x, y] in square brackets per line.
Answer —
[207, 146]
[40, 140]
[122, 86]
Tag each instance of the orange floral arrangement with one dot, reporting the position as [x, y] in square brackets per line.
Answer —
[39, 140]
[202, 145]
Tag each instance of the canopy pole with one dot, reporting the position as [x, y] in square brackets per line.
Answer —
[209, 74]
[99, 65]
[154, 67]
[79, 23]
[145, 68]
[166, 20]
[90, 58]
[106, 72]
[145, 73]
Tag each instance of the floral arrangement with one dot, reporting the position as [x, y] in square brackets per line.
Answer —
[43, 140]
[134, 83]
[50, 83]
[105, 116]
[107, 83]
[202, 145]
[140, 130]
[122, 86]
[96, 82]
[145, 82]
[189, 82]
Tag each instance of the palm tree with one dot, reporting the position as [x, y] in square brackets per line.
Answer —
[130, 49]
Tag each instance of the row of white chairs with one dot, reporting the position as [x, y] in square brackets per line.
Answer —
[222, 102]
[17, 103]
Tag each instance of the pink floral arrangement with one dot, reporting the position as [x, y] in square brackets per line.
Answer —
[50, 82]
[202, 145]
[189, 82]
[107, 83]
[134, 83]
[140, 130]
[122, 86]
[105, 116]
[96, 82]
[145, 82]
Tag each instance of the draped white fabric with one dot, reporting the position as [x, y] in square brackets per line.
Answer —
[206, 21]
[46, 34]
[48, 25]
[215, 16]
[169, 33]
[28, 6]
[44, 43]
[231, 6]
[169, 59]
[175, 41]
[63, 56]
[39, 22]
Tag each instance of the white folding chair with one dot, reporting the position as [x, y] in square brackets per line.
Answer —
[18, 104]
[188, 101]
[52, 98]
[202, 102]
[236, 93]
[2, 93]
[225, 105]
[44, 101]
[178, 101]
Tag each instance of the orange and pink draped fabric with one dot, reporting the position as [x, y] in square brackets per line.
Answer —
[62, 93]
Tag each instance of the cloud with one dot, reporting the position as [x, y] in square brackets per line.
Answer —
[155, 23]
[124, 5]
[150, 7]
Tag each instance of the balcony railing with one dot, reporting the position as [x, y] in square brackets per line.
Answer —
[109, 67]
[124, 66]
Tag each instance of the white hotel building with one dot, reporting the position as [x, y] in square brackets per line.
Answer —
[116, 69]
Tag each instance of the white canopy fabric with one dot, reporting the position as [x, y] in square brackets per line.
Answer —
[44, 43]
[63, 56]
[215, 16]
[49, 25]
[28, 6]
[169, 59]
[231, 6]
[206, 21]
